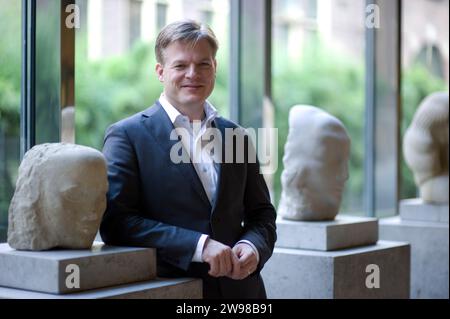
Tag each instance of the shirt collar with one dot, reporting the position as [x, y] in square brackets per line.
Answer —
[210, 111]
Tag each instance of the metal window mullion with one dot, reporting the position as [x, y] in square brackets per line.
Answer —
[268, 50]
[399, 102]
[383, 48]
[235, 59]
[369, 127]
[28, 105]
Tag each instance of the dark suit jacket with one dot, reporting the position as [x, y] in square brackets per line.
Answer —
[153, 202]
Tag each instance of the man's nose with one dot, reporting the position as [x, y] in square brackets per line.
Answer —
[191, 71]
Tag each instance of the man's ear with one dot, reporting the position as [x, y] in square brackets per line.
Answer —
[159, 69]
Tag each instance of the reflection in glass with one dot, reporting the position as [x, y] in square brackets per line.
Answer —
[115, 77]
[161, 15]
[318, 59]
[425, 59]
[10, 75]
[135, 20]
[48, 71]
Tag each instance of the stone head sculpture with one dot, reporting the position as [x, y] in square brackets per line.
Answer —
[425, 147]
[60, 198]
[315, 162]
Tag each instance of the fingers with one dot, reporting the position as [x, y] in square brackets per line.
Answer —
[226, 263]
[214, 267]
[247, 261]
[218, 256]
[220, 264]
[236, 272]
[245, 254]
[238, 250]
[236, 263]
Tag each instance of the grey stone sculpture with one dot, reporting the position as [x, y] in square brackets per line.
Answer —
[60, 198]
[315, 165]
[425, 147]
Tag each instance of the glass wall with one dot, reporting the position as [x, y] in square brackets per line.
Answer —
[48, 71]
[115, 59]
[10, 75]
[318, 59]
[425, 63]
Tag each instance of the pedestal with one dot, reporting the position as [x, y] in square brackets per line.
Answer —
[159, 288]
[307, 274]
[343, 232]
[101, 272]
[425, 227]
[417, 209]
[336, 259]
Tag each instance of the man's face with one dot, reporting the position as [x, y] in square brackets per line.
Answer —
[187, 73]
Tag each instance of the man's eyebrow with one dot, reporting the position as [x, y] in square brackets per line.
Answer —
[178, 62]
[184, 62]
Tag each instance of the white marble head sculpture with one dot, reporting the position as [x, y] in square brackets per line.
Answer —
[425, 147]
[60, 198]
[315, 162]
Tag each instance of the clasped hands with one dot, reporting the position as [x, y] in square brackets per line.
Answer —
[236, 263]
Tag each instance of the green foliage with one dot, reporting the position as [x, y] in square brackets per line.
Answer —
[10, 74]
[110, 90]
[114, 88]
[10, 60]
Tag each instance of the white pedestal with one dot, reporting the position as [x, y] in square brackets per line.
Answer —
[102, 272]
[301, 274]
[159, 288]
[429, 246]
[417, 209]
[343, 232]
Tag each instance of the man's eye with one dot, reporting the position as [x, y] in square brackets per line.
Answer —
[179, 66]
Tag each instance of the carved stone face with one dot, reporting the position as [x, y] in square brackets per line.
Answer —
[60, 198]
[315, 165]
[425, 147]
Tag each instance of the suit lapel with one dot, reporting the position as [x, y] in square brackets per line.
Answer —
[159, 125]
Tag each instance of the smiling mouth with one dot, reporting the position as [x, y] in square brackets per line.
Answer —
[192, 86]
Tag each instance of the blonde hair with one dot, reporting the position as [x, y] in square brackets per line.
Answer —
[188, 31]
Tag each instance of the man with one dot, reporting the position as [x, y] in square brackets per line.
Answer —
[208, 220]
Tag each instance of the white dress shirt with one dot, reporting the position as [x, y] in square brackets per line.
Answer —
[203, 162]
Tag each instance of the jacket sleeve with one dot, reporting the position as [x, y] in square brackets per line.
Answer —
[260, 215]
[124, 223]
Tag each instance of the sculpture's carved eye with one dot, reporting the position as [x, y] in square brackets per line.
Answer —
[74, 193]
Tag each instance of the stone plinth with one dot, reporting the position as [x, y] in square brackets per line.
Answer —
[101, 266]
[417, 209]
[159, 288]
[429, 250]
[299, 274]
[343, 232]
